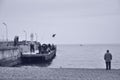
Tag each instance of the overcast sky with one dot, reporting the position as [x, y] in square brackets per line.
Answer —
[73, 21]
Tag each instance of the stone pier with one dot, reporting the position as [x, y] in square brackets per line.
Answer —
[9, 56]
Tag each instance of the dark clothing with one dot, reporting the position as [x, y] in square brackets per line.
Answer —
[39, 48]
[108, 65]
[32, 49]
[108, 58]
[16, 40]
[44, 49]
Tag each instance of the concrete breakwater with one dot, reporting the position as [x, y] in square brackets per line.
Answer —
[10, 56]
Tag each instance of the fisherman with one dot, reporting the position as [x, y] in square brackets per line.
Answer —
[39, 48]
[108, 58]
[48, 48]
[43, 47]
[32, 49]
[16, 40]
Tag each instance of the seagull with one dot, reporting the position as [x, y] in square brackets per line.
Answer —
[53, 35]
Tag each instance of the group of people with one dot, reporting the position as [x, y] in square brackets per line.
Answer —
[45, 48]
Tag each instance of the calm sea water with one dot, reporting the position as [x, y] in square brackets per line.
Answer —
[84, 56]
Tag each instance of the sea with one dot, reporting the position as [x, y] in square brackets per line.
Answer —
[82, 56]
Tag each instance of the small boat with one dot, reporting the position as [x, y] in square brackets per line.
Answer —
[38, 57]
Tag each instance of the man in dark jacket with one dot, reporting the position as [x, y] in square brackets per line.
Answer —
[39, 48]
[108, 58]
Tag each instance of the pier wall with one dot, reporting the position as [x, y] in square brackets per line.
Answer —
[9, 56]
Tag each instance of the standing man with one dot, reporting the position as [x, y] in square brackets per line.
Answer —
[39, 48]
[108, 58]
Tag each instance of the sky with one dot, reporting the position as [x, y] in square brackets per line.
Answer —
[73, 21]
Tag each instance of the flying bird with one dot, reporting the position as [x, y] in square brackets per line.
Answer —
[53, 35]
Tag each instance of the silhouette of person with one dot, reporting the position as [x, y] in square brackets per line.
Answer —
[108, 58]
[33, 48]
[30, 47]
[16, 40]
[39, 48]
